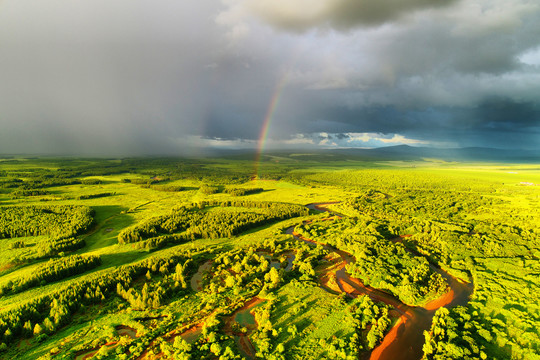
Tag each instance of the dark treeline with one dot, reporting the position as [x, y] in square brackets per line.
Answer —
[35, 181]
[162, 168]
[53, 270]
[242, 191]
[91, 182]
[62, 221]
[28, 192]
[52, 247]
[95, 196]
[205, 169]
[45, 182]
[209, 189]
[271, 206]
[165, 188]
[146, 182]
[38, 178]
[10, 182]
[161, 241]
[46, 248]
[154, 184]
[211, 224]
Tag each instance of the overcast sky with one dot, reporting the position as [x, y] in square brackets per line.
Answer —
[130, 77]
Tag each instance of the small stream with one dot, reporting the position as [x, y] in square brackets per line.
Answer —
[196, 280]
[122, 330]
[406, 338]
[404, 341]
[245, 318]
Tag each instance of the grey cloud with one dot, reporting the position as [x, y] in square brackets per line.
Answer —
[137, 77]
[434, 47]
[94, 77]
[494, 122]
[506, 115]
[298, 15]
[341, 136]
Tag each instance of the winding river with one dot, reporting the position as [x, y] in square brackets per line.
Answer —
[405, 340]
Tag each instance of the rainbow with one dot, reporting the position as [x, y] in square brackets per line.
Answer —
[274, 102]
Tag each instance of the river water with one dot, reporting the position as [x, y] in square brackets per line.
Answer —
[406, 338]
[403, 342]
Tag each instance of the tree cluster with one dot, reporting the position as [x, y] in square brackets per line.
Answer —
[47, 313]
[29, 192]
[380, 263]
[209, 189]
[95, 196]
[455, 334]
[153, 294]
[62, 221]
[52, 270]
[91, 181]
[372, 317]
[242, 191]
[211, 224]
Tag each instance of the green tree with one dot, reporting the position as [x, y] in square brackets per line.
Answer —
[38, 329]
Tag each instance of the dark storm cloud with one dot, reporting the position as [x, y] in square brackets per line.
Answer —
[493, 123]
[505, 114]
[138, 77]
[449, 47]
[96, 77]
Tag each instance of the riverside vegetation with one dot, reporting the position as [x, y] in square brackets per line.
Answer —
[194, 258]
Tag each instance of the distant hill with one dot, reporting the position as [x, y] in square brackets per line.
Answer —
[405, 152]
[399, 152]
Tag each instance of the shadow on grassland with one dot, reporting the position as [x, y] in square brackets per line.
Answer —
[124, 257]
[110, 220]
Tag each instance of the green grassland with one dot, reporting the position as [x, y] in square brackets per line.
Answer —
[76, 289]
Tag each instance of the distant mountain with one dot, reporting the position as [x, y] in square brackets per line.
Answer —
[405, 152]
[398, 152]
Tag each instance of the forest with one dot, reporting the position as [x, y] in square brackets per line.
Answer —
[313, 257]
[380, 263]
